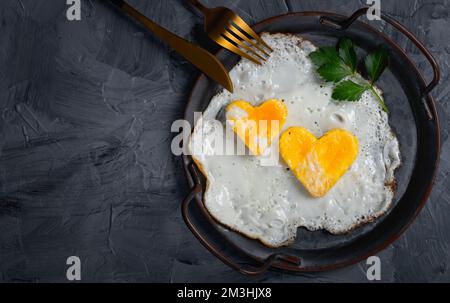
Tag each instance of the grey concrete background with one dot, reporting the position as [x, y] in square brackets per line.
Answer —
[85, 162]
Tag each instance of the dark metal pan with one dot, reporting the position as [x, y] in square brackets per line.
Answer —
[412, 116]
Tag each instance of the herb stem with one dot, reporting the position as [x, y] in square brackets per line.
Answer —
[374, 92]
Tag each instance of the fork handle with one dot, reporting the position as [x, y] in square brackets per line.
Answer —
[199, 6]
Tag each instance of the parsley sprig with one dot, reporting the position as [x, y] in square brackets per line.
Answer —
[334, 64]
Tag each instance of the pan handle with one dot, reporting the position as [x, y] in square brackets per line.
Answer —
[243, 269]
[344, 24]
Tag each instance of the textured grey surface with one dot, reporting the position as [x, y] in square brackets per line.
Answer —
[85, 162]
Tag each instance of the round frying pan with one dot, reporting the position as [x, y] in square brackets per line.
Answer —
[412, 116]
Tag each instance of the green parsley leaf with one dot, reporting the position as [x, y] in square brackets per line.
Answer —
[334, 71]
[347, 53]
[324, 55]
[349, 91]
[376, 62]
[378, 97]
[333, 65]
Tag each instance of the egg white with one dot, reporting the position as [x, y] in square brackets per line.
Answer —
[267, 202]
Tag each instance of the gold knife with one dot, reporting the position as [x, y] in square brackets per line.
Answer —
[198, 56]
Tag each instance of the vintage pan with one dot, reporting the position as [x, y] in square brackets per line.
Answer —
[412, 116]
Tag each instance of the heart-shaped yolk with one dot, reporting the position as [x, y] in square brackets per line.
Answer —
[318, 163]
[256, 126]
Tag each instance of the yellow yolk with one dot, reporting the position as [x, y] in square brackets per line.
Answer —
[257, 126]
[318, 163]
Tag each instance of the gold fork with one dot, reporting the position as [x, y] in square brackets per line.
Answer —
[231, 32]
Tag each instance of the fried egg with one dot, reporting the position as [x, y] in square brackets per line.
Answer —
[318, 163]
[269, 202]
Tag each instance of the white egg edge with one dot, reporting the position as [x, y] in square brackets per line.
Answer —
[390, 173]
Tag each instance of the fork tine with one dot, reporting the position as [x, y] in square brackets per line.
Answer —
[241, 23]
[242, 44]
[231, 47]
[236, 31]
